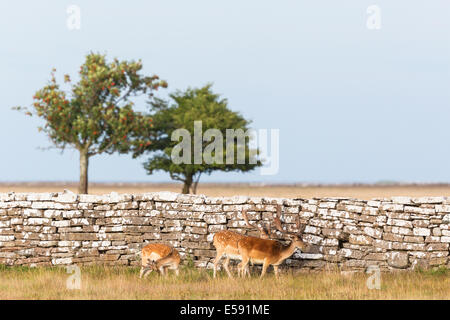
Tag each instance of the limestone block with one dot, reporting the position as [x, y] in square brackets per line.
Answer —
[398, 259]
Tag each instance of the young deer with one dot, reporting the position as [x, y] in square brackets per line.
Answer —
[269, 252]
[158, 256]
[226, 243]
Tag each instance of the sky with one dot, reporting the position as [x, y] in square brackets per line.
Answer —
[352, 104]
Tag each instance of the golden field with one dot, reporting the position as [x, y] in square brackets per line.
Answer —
[101, 282]
[364, 192]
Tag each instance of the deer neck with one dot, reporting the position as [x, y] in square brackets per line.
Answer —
[288, 251]
[164, 260]
[161, 262]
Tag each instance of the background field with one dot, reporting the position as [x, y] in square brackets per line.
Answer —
[123, 283]
[365, 192]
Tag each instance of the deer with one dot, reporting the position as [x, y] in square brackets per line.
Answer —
[226, 241]
[161, 257]
[269, 252]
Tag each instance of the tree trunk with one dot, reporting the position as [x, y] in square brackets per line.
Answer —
[194, 188]
[187, 185]
[84, 165]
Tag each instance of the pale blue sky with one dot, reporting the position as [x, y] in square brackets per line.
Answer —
[352, 104]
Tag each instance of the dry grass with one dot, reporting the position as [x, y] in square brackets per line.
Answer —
[365, 192]
[100, 282]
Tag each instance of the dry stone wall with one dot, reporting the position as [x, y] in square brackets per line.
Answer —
[346, 234]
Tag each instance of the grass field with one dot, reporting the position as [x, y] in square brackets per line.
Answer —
[100, 282]
[365, 192]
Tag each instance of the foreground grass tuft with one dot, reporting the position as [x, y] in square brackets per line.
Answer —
[102, 282]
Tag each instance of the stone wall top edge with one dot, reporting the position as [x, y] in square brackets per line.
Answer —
[169, 196]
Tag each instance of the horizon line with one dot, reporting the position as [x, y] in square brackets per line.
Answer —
[211, 183]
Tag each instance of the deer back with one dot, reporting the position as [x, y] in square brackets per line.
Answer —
[259, 249]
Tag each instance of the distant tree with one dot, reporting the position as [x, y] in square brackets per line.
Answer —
[216, 152]
[96, 115]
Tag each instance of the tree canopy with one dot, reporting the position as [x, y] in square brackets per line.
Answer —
[96, 114]
[200, 129]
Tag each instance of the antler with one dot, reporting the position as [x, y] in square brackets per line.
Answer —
[262, 230]
[277, 220]
[300, 226]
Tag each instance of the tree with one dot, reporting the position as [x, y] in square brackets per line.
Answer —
[203, 148]
[96, 114]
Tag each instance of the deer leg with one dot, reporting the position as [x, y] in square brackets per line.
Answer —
[264, 268]
[142, 272]
[225, 265]
[161, 270]
[275, 268]
[247, 268]
[216, 262]
[240, 267]
[247, 271]
[244, 266]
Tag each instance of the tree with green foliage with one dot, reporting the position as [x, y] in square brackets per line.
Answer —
[95, 115]
[203, 147]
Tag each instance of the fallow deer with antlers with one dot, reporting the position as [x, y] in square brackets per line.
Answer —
[226, 243]
[269, 252]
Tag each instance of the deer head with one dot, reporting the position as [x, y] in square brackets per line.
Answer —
[296, 238]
